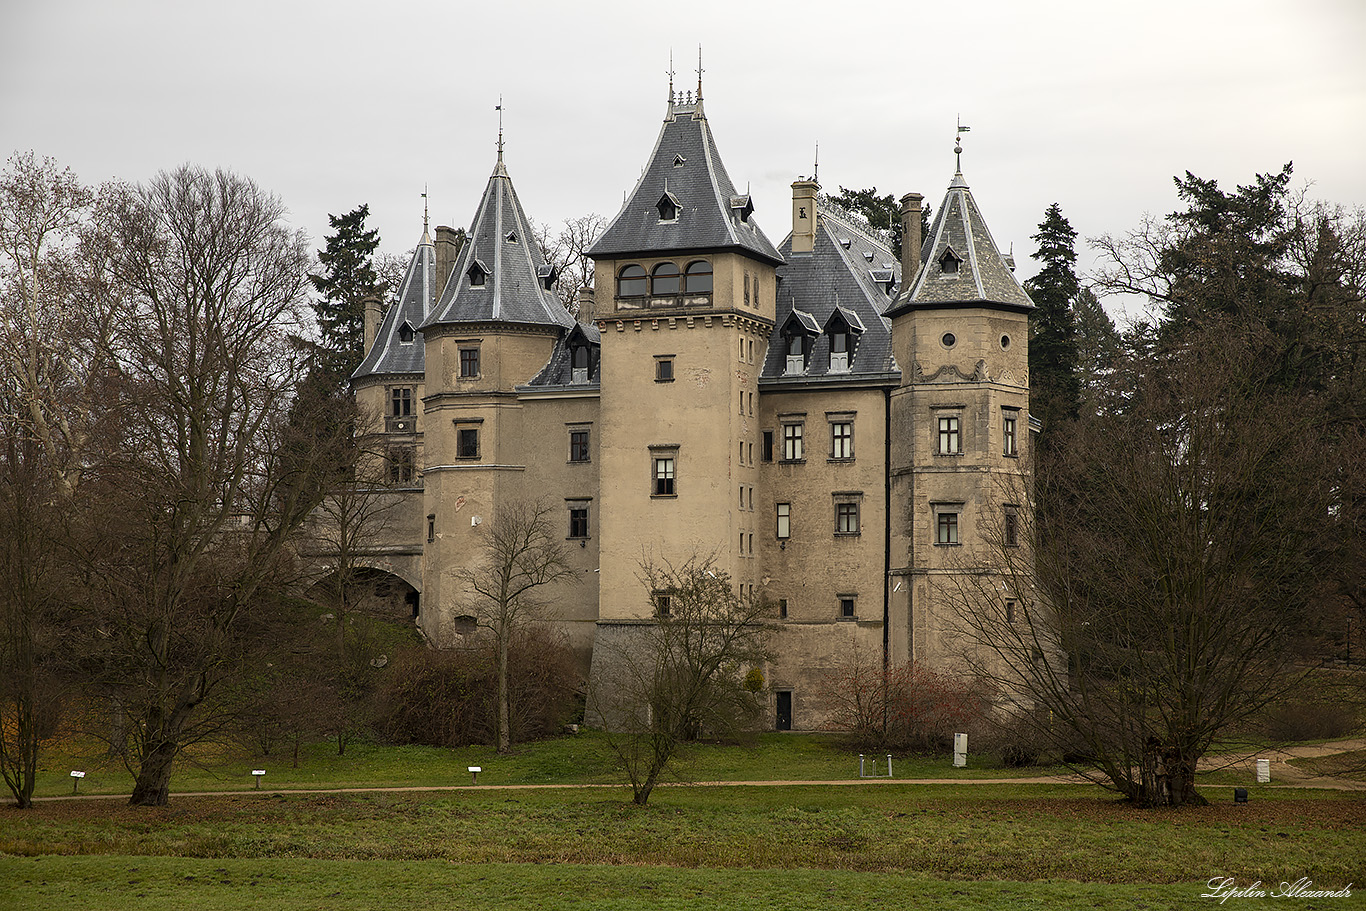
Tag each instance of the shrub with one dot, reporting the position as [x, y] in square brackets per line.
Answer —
[1292, 721]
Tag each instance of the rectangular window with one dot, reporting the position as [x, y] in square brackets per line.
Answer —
[402, 465]
[467, 443]
[792, 442]
[846, 518]
[578, 445]
[1010, 610]
[848, 605]
[742, 496]
[401, 402]
[949, 443]
[767, 450]
[782, 608]
[663, 603]
[784, 520]
[742, 453]
[578, 519]
[431, 527]
[842, 440]
[946, 528]
[664, 477]
[751, 499]
[469, 362]
[664, 369]
[1010, 528]
[1009, 426]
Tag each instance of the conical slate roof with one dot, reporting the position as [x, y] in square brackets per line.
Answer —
[685, 169]
[397, 350]
[961, 263]
[848, 272]
[501, 274]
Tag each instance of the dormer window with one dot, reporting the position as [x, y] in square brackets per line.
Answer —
[797, 348]
[664, 279]
[798, 332]
[840, 349]
[949, 262]
[478, 274]
[579, 361]
[843, 328]
[512, 237]
[631, 281]
[405, 333]
[679, 161]
[546, 275]
[743, 207]
[668, 207]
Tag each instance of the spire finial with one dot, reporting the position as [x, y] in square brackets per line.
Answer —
[700, 71]
[424, 208]
[816, 172]
[670, 73]
[958, 145]
[499, 109]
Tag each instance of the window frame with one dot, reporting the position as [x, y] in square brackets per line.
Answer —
[579, 449]
[658, 274]
[401, 396]
[578, 520]
[948, 525]
[793, 434]
[691, 273]
[783, 521]
[949, 434]
[664, 473]
[1010, 433]
[847, 606]
[463, 438]
[402, 464]
[841, 442]
[664, 368]
[643, 278]
[469, 361]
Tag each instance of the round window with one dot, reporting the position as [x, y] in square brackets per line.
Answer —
[949, 340]
[1005, 341]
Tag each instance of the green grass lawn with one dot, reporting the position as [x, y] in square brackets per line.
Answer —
[873, 844]
[580, 759]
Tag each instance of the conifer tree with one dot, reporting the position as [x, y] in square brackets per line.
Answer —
[1055, 390]
[348, 276]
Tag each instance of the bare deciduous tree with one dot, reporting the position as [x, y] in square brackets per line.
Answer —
[687, 672]
[1165, 599]
[213, 476]
[521, 555]
[567, 251]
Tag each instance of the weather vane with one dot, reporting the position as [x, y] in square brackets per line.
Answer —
[958, 143]
[499, 109]
[424, 208]
[700, 71]
[670, 73]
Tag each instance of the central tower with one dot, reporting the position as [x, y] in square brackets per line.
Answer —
[685, 294]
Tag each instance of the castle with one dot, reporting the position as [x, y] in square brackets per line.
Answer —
[833, 424]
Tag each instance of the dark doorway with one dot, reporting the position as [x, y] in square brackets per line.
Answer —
[784, 719]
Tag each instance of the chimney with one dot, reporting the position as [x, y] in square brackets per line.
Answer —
[448, 244]
[587, 305]
[804, 215]
[910, 237]
[373, 314]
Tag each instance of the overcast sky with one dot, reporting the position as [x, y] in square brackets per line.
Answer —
[331, 104]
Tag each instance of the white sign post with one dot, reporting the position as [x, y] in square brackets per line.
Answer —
[960, 751]
[258, 773]
[76, 780]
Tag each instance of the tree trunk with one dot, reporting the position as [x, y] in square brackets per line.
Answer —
[153, 785]
[504, 709]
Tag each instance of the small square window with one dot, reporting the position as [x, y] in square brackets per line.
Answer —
[848, 607]
[946, 525]
[663, 602]
[846, 518]
[949, 439]
[664, 370]
[467, 443]
[578, 445]
[664, 477]
[578, 520]
[792, 442]
[469, 362]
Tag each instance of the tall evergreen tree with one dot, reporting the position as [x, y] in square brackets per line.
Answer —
[1055, 389]
[348, 276]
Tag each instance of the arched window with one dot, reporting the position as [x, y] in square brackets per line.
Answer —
[664, 279]
[631, 282]
[698, 279]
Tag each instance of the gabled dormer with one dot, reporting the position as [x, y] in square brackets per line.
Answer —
[798, 333]
[843, 329]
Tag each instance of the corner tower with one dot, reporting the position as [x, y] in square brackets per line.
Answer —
[959, 423]
[494, 328]
[685, 296]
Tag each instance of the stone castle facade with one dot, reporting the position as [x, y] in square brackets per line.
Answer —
[835, 425]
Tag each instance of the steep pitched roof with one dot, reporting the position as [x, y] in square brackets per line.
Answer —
[847, 272]
[411, 305]
[502, 249]
[559, 370]
[685, 168]
[980, 276]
